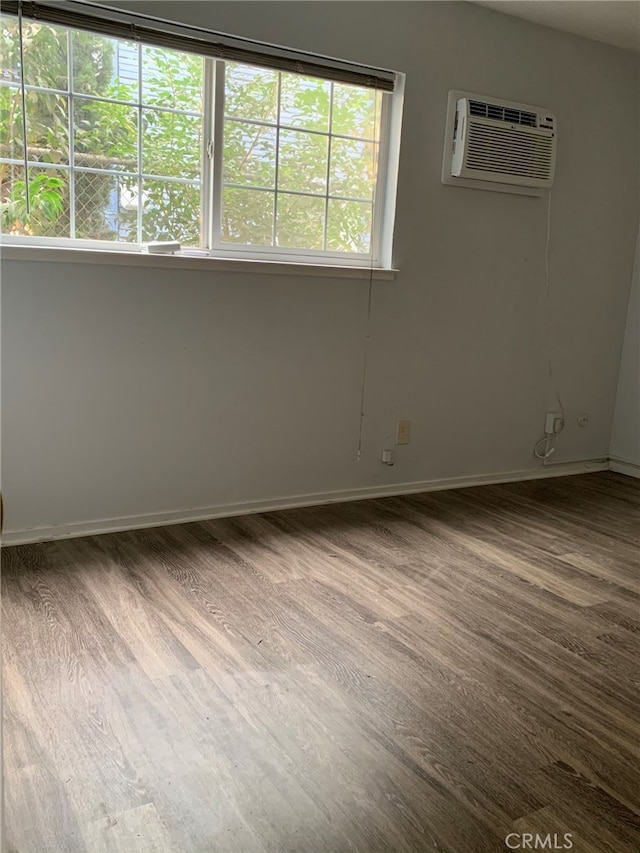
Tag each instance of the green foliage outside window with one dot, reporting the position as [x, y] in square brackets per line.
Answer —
[335, 174]
[295, 186]
[105, 139]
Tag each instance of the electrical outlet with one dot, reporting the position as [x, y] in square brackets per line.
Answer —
[553, 423]
[583, 421]
[403, 432]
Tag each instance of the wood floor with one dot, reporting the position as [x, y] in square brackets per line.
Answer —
[426, 673]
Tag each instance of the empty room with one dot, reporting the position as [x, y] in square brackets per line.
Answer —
[320, 426]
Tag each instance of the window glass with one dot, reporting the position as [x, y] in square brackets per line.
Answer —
[124, 143]
[318, 141]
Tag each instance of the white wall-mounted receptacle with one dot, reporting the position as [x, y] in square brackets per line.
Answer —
[403, 432]
[553, 423]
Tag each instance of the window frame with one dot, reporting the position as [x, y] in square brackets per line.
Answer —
[222, 249]
[211, 182]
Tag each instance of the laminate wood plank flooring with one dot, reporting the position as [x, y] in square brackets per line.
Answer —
[421, 673]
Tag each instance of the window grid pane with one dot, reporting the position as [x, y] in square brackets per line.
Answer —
[337, 171]
[85, 112]
[49, 201]
[250, 154]
[115, 147]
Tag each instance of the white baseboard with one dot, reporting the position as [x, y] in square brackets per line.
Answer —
[624, 466]
[135, 522]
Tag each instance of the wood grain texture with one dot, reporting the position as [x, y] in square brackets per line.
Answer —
[423, 673]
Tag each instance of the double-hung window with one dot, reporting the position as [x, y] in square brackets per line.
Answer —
[117, 131]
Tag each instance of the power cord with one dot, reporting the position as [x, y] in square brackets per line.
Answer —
[545, 447]
[553, 427]
[367, 337]
[549, 449]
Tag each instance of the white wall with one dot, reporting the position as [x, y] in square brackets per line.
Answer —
[130, 391]
[625, 438]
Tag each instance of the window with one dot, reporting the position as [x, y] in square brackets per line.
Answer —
[299, 161]
[114, 138]
[128, 142]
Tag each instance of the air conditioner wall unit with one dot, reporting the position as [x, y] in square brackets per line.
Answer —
[497, 144]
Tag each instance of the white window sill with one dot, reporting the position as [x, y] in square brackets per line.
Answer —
[111, 257]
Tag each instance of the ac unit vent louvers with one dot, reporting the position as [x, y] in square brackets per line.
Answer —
[500, 143]
[509, 152]
[493, 111]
